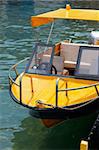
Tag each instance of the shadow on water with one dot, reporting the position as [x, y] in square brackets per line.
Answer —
[66, 135]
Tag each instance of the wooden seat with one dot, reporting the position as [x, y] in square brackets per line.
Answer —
[70, 53]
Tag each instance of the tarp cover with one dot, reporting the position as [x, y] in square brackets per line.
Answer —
[80, 14]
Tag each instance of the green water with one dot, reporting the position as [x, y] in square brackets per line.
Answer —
[19, 131]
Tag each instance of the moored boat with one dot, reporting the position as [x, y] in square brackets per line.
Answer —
[61, 80]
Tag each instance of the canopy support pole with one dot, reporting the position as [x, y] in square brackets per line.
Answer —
[50, 32]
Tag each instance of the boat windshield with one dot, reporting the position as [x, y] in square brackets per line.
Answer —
[39, 63]
[88, 62]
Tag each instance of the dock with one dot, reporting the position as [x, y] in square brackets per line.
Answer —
[92, 141]
[93, 138]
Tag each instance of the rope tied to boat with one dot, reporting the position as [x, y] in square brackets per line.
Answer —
[41, 104]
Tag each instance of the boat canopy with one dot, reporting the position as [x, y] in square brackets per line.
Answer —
[65, 13]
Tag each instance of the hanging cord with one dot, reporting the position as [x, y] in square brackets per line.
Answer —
[50, 32]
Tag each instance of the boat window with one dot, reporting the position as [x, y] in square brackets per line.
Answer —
[38, 63]
[88, 62]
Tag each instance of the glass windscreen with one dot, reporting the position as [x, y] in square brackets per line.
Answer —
[89, 62]
[41, 60]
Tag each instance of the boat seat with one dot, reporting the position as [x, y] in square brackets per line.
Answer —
[58, 62]
[70, 53]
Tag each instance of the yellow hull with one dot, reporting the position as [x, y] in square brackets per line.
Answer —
[39, 87]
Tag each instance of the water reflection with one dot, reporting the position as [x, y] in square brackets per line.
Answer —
[67, 135]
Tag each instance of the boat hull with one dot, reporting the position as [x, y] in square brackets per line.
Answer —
[53, 122]
[66, 113]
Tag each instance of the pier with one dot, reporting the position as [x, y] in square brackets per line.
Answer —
[93, 137]
[92, 141]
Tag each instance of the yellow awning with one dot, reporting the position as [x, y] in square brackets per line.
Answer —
[80, 14]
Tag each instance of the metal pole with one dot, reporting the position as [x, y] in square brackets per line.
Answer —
[57, 81]
[50, 32]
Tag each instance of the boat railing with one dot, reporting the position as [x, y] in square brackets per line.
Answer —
[13, 72]
[12, 80]
[72, 89]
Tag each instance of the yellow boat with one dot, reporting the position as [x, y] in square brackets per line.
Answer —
[59, 81]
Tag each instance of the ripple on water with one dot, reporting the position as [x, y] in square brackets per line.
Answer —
[9, 119]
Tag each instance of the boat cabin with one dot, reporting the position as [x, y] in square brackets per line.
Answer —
[65, 59]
